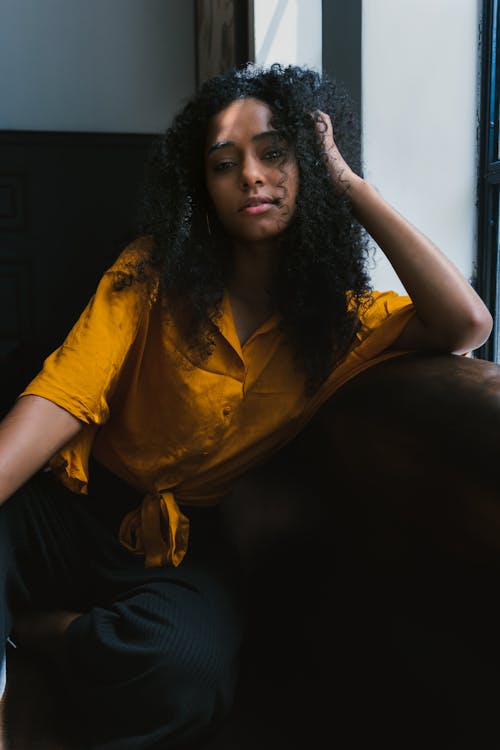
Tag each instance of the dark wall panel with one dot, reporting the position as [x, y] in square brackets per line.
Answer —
[341, 43]
[342, 56]
[68, 205]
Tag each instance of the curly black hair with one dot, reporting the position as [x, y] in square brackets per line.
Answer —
[321, 282]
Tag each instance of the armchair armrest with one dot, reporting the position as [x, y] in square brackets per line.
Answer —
[417, 437]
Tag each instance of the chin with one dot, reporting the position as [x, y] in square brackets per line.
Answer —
[260, 234]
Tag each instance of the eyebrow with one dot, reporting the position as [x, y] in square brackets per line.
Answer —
[258, 137]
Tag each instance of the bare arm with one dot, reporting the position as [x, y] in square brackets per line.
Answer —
[30, 434]
[450, 316]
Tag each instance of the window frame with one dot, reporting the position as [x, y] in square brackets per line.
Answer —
[488, 256]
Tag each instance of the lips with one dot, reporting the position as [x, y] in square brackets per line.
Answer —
[258, 205]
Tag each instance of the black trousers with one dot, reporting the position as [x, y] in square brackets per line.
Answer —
[153, 659]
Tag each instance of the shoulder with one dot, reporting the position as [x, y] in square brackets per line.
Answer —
[136, 268]
[140, 249]
[382, 317]
[377, 306]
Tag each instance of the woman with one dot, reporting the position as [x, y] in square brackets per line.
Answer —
[247, 282]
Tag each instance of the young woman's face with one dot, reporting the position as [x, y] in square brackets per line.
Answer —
[251, 173]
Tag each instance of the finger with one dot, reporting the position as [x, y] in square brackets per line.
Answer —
[323, 122]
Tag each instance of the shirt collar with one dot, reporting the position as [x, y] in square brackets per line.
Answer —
[227, 326]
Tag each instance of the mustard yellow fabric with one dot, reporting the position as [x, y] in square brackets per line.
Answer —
[178, 432]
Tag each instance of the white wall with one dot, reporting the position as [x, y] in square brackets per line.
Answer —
[288, 31]
[94, 65]
[420, 68]
[419, 108]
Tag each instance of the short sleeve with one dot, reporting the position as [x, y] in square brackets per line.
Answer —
[80, 376]
[382, 320]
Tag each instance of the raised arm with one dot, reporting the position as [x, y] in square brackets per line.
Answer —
[450, 316]
[30, 434]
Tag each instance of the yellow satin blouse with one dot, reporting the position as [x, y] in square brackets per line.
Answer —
[178, 432]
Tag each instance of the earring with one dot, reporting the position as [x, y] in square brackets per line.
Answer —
[208, 224]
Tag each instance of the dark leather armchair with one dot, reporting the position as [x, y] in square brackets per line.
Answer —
[390, 500]
[373, 543]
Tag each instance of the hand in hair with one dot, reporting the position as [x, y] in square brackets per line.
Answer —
[450, 316]
[341, 174]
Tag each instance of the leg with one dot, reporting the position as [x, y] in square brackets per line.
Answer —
[26, 521]
[158, 665]
[153, 657]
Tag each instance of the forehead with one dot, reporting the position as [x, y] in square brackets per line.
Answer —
[243, 117]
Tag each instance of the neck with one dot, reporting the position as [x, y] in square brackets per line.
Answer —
[253, 270]
[250, 287]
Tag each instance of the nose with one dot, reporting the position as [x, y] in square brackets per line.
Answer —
[252, 172]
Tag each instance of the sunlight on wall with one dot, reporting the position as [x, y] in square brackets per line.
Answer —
[288, 31]
[420, 73]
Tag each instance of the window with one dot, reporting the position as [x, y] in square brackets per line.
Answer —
[489, 176]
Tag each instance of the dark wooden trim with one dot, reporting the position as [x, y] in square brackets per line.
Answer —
[243, 31]
[251, 30]
[224, 36]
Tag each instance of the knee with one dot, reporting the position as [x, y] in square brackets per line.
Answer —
[190, 671]
[176, 669]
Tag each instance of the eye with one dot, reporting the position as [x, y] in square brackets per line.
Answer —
[275, 153]
[223, 166]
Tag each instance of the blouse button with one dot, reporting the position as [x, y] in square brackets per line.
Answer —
[226, 411]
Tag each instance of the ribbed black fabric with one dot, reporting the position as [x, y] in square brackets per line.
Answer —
[153, 660]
